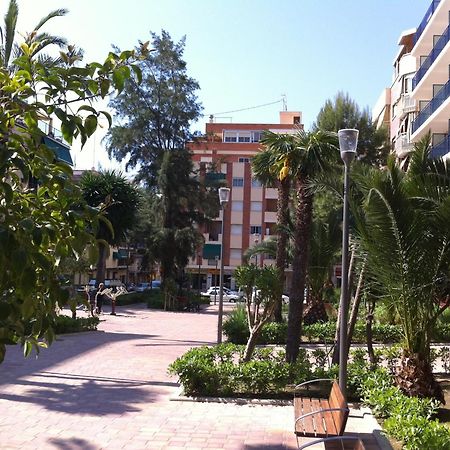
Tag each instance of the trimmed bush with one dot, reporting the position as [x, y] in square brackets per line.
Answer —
[65, 324]
[130, 298]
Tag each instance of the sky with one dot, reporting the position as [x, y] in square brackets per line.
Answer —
[245, 53]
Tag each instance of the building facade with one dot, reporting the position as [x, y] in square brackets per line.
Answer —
[250, 217]
[418, 100]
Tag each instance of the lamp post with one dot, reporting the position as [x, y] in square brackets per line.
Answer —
[224, 197]
[256, 241]
[348, 141]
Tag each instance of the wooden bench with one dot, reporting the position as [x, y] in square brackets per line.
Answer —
[338, 443]
[319, 417]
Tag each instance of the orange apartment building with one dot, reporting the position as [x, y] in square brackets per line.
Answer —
[250, 217]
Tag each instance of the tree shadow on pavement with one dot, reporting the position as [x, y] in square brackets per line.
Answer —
[65, 347]
[85, 395]
[72, 444]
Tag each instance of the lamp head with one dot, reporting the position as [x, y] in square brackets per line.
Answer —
[224, 195]
[348, 141]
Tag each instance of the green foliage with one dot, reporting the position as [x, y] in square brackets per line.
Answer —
[66, 324]
[154, 298]
[43, 216]
[235, 326]
[407, 419]
[156, 114]
[343, 112]
[131, 298]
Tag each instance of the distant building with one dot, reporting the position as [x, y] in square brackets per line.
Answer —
[418, 100]
[250, 217]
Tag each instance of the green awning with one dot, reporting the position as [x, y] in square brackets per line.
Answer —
[210, 251]
[213, 176]
[62, 151]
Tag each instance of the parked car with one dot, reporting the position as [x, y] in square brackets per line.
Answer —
[284, 297]
[156, 284]
[141, 287]
[214, 292]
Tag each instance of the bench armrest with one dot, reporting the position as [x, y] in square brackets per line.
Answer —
[328, 439]
[313, 381]
[321, 411]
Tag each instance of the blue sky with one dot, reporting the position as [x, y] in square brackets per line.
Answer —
[245, 53]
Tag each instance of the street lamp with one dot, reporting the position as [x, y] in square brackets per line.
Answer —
[224, 197]
[256, 241]
[348, 141]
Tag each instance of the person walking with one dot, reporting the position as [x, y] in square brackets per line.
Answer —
[100, 297]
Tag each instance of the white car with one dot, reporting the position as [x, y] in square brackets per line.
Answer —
[284, 297]
[213, 293]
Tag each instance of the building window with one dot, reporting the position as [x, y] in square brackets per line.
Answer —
[236, 230]
[244, 160]
[235, 253]
[255, 206]
[256, 183]
[255, 229]
[229, 136]
[237, 205]
[238, 182]
[242, 136]
[256, 136]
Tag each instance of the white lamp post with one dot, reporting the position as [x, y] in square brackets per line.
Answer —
[224, 197]
[348, 141]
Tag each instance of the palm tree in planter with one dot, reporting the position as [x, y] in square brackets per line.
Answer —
[261, 286]
[315, 152]
[118, 200]
[271, 167]
[403, 228]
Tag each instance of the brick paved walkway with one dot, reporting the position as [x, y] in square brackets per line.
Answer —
[110, 390]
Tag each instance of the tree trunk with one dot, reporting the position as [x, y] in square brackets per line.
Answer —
[369, 337]
[299, 267]
[335, 357]
[415, 377]
[282, 221]
[355, 308]
[101, 264]
[251, 344]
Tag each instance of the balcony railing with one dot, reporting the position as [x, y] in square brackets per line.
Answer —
[402, 145]
[435, 52]
[441, 149]
[431, 107]
[407, 104]
[426, 18]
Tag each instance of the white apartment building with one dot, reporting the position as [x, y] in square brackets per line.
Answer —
[418, 101]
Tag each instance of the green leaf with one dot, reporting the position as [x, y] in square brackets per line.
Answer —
[118, 79]
[90, 124]
[104, 87]
[108, 117]
[87, 108]
[138, 72]
[27, 347]
[8, 192]
[5, 310]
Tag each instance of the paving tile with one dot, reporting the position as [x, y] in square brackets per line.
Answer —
[110, 389]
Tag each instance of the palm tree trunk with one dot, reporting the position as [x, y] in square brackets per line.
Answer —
[282, 221]
[101, 264]
[299, 267]
[355, 308]
[369, 337]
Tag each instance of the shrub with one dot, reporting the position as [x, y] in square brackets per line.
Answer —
[65, 324]
[154, 298]
[235, 326]
[130, 298]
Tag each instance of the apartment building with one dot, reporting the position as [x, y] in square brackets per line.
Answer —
[225, 152]
[418, 102]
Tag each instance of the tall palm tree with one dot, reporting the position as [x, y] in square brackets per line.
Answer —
[36, 40]
[271, 167]
[315, 152]
[118, 201]
[403, 229]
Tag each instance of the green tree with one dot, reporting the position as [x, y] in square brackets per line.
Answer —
[271, 167]
[266, 284]
[156, 114]
[119, 201]
[403, 230]
[41, 226]
[35, 42]
[343, 112]
[183, 203]
[315, 153]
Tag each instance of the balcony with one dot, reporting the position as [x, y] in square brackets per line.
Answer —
[435, 52]
[402, 145]
[441, 149]
[431, 107]
[430, 11]
[407, 104]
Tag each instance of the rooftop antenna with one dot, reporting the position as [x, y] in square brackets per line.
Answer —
[284, 100]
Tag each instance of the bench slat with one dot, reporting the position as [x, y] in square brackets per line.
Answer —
[337, 400]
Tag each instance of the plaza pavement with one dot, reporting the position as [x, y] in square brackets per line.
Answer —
[109, 389]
